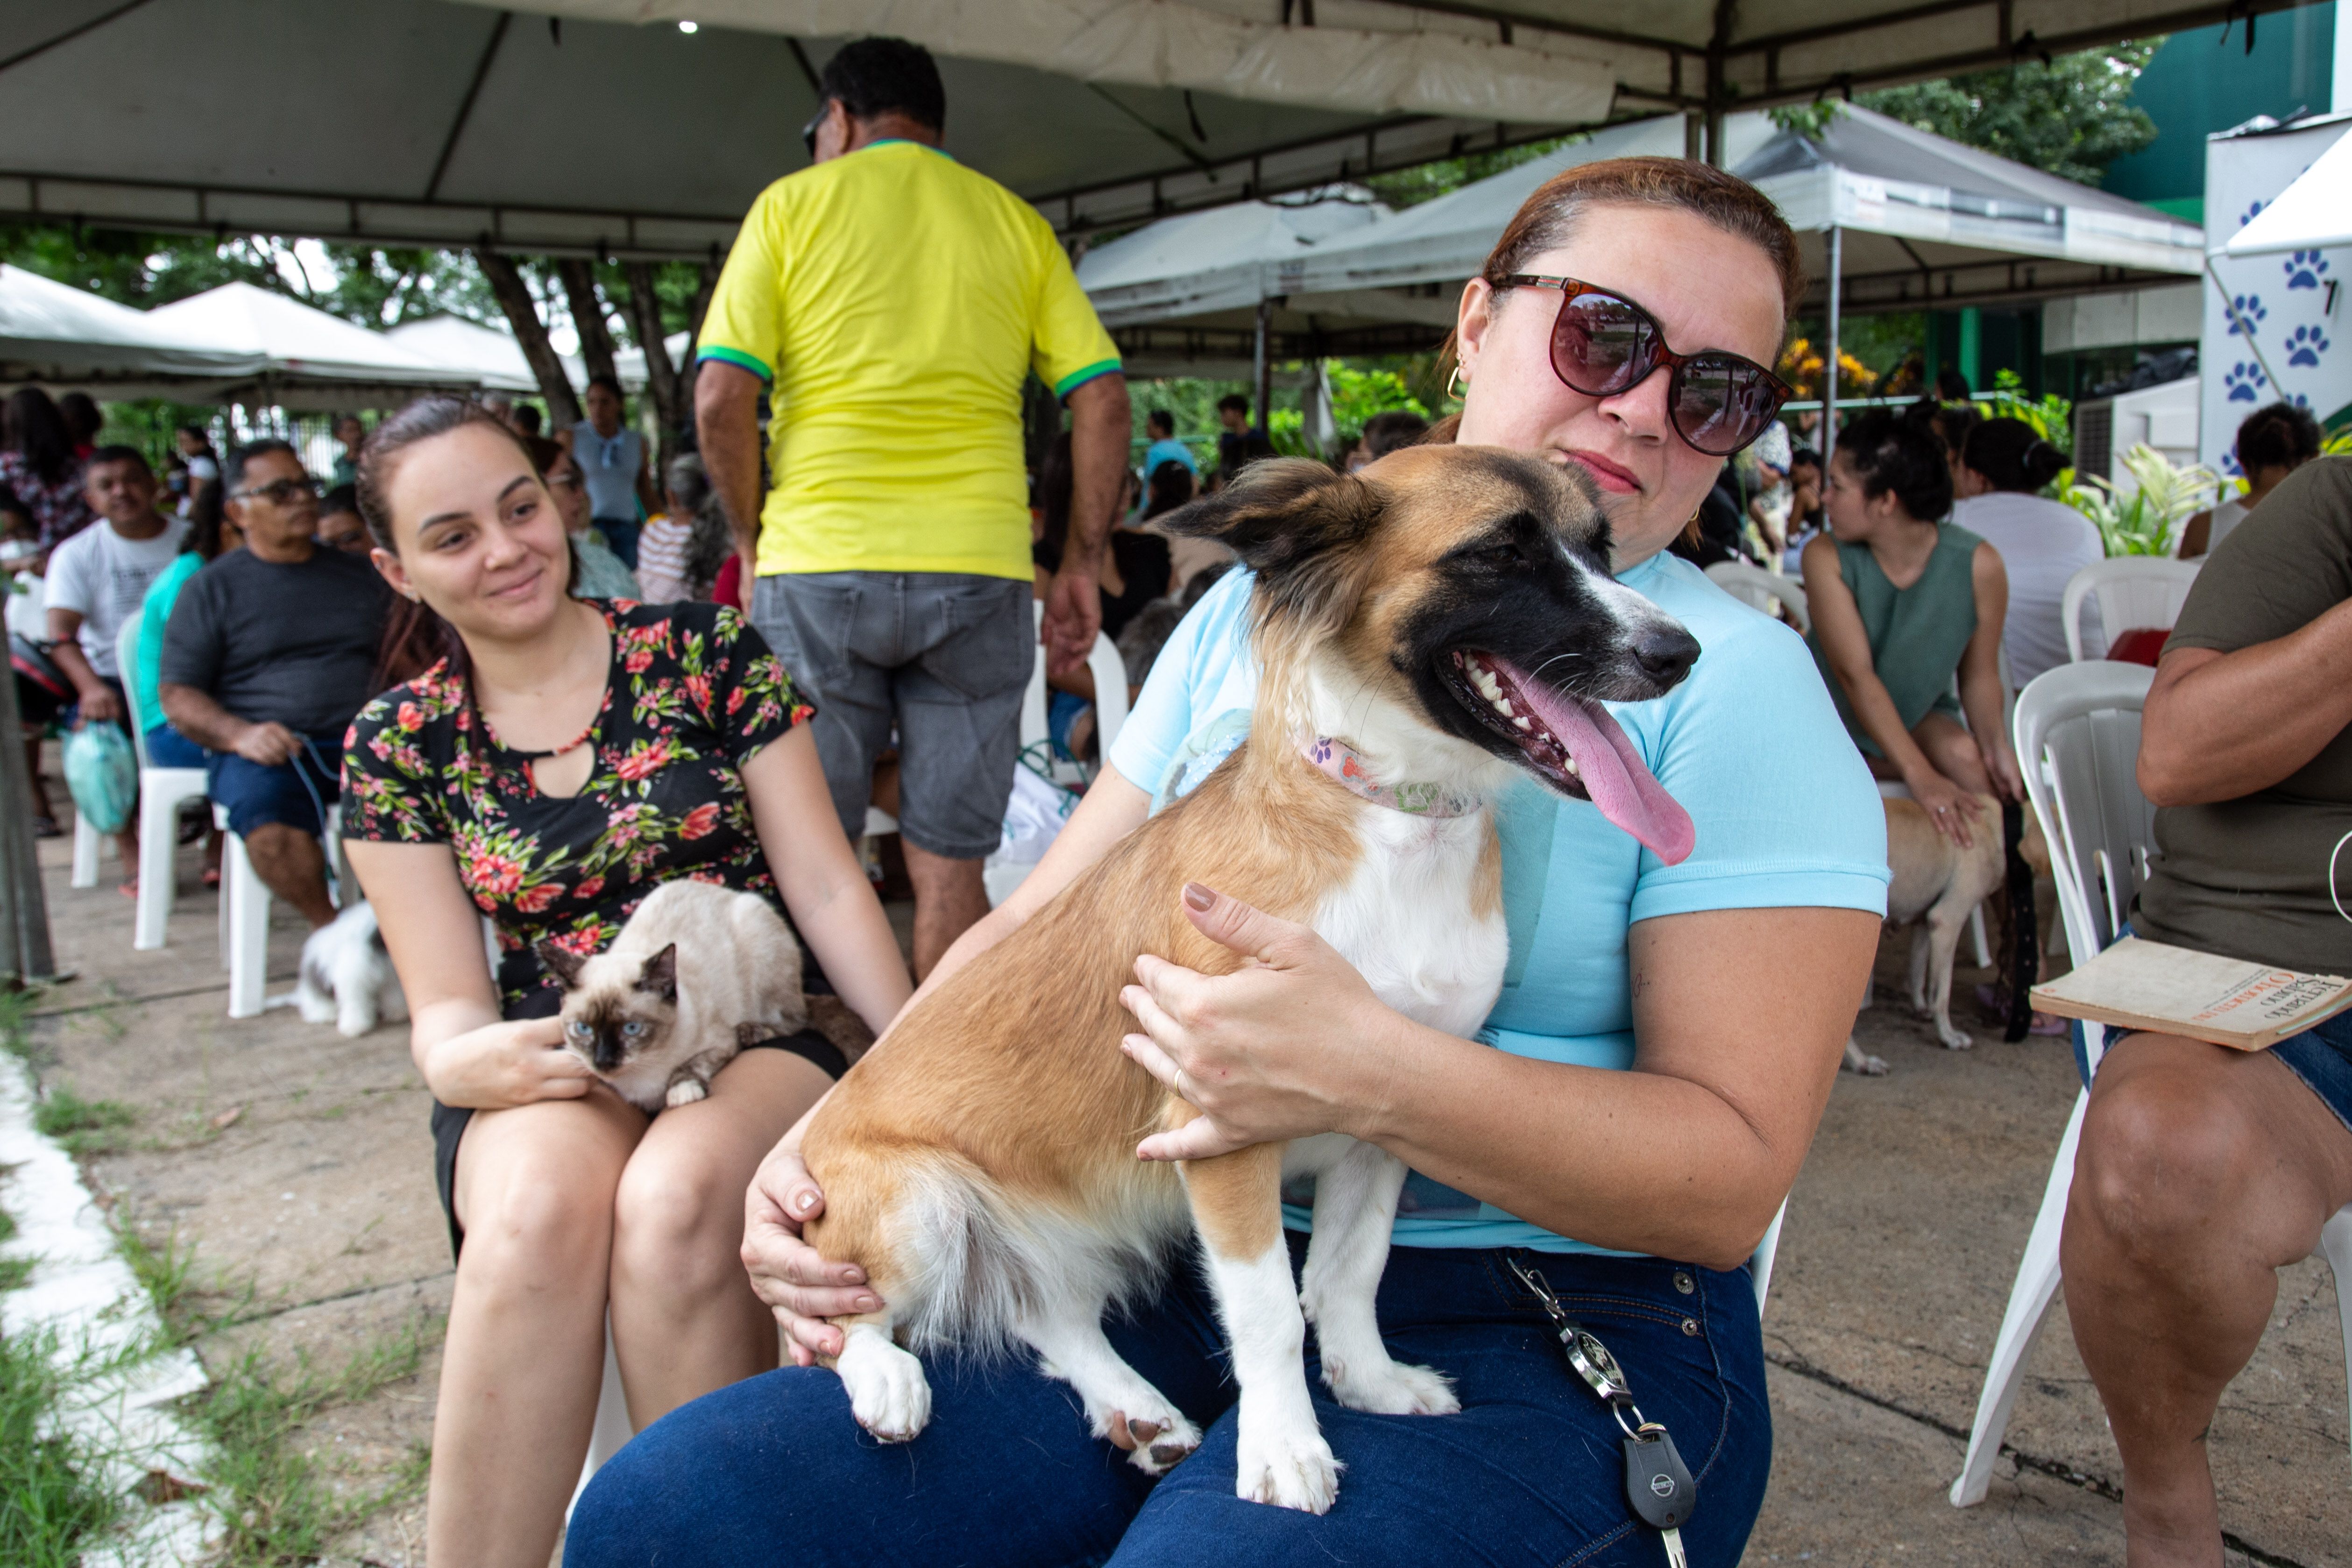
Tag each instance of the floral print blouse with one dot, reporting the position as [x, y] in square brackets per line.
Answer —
[693, 694]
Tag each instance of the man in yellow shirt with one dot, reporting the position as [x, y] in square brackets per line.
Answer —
[893, 303]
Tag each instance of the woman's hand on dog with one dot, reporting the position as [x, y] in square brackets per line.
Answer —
[800, 1287]
[1285, 1047]
[509, 1064]
[1952, 809]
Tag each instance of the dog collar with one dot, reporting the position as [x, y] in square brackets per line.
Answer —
[1338, 759]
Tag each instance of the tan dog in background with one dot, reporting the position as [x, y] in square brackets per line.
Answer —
[1936, 883]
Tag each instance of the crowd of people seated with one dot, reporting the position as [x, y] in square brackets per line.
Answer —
[541, 677]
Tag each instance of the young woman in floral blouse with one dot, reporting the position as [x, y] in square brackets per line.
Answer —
[566, 757]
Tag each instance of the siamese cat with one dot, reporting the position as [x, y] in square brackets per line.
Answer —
[697, 974]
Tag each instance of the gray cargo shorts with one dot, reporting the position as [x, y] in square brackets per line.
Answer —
[943, 656]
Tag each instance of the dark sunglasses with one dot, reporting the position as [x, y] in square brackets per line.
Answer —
[281, 492]
[1602, 345]
[816, 122]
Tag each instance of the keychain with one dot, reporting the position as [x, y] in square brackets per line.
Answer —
[1658, 1485]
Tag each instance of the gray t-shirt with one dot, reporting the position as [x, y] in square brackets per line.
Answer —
[275, 642]
[2266, 877]
[105, 577]
[608, 467]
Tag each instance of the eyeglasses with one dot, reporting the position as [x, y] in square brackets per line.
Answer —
[817, 123]
[1602, 345]
[281, 492]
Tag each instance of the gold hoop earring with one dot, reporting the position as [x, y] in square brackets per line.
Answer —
[1456, 383]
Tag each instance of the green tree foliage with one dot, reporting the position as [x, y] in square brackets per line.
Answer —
[1423, 182]
[2071, 117]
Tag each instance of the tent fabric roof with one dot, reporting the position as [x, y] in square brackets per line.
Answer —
[52, 331]
[1213, 260]
[2312, 214]
[491, 352]
[584, 127]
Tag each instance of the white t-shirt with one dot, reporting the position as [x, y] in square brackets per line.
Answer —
[105, 577]
[2041, 544]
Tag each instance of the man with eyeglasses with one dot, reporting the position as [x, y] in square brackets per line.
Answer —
[896, 303]
[270, 652]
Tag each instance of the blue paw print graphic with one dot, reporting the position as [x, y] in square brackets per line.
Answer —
[2304, 268]
[2248, 216]
[2305, 346]
[2245, 383]
[2230, 469]
[2246, 313]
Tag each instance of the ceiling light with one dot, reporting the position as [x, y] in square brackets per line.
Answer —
[690, 26]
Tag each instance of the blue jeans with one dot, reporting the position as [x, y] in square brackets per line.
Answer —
[621, 538]
[774, 1469]
[167, 748]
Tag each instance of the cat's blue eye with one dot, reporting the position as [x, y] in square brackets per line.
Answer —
[633, 1028]
[577, 1029]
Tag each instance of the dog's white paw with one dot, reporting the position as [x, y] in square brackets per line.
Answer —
[1288, 1469]
[354, 1022]
[686, 1091]
[315, 1006]
[1163, 1440]
[1954, 1039]
[1390, 1388]
[887, 1391]
[1858, 1060]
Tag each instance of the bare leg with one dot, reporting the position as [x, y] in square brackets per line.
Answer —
[33, 771]
[525, 1354]
[292, 866]
[950, 899]
[2203, 1171]
[684, 1319]
[1954, 752]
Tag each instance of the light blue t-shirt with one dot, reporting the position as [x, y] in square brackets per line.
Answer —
[1749, 743]
[1172, 450]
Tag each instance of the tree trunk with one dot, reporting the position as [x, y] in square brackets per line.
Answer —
[662, 380]
[691, 368]
[522, 315]
[587, 315]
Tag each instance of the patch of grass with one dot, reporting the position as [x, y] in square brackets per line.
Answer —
[86, 1127]
[274, 1501]
[13, 1271]
[165, 1273]
[16, 1010]
[51, 1499]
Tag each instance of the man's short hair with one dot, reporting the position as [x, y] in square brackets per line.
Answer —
[527, 418]
[242, 459]
[873, 77]
[1235, 402]
[338, 500]
[122, 454]
[1384, 432]
[611, 384]
[1161, 420]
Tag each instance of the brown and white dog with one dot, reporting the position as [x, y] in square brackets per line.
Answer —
[1449, 617]
[1937, 884]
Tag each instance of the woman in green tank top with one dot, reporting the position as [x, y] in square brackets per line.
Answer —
[1906, 615]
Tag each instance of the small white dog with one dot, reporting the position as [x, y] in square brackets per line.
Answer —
[347, 978]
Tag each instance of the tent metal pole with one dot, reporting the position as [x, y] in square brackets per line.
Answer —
[24, 910]
[1830, 358]
[1262, 368]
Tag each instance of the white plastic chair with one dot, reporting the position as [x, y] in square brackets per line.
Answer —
[88, 846]
[245, 912]
[1109, 671]
[1760, 1263]
[2077, 736]
[160, 791]
[1754, 586]
[2131, 591]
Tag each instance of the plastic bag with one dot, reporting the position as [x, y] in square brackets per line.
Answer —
[102, 772]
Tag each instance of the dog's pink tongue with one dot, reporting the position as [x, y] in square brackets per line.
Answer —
[1613, 771]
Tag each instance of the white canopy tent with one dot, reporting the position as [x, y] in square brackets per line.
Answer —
[2313, 214]
[492, 354]
[306, 357]
[584, 127]
[53, 333]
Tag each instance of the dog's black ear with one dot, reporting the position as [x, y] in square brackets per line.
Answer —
[1296, 524]
[659, 976]
[561, 963]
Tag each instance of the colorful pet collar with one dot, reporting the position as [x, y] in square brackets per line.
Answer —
[1339, 760]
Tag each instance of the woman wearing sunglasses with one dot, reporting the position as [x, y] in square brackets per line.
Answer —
[1624, 1127]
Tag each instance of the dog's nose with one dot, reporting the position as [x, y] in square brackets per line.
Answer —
[1665, 652]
